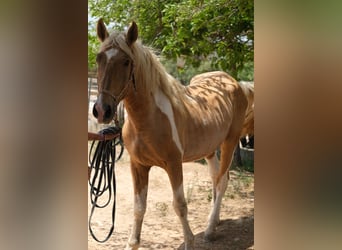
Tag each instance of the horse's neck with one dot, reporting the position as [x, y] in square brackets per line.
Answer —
[139, 105]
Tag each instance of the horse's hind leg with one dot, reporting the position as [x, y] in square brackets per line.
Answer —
[220, 182]
[175, 174]
[213, 165]
[140, 185]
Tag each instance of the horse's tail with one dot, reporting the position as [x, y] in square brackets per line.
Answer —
[248, 125]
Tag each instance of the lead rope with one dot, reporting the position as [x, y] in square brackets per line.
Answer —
[103, 162]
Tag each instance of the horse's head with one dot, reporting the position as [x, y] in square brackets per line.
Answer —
[115, 70]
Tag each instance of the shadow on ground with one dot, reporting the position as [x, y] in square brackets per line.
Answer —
[235, 234]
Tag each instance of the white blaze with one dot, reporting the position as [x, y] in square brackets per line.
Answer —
[110, 53]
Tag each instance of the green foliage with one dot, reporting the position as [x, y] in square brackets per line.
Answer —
[247, 72]
[185, 73]
[93, 45]
[220, 32]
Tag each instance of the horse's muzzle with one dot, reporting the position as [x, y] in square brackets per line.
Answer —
[103, 113]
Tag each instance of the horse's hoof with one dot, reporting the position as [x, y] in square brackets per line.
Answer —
[189, 247]
[132, 247]
[190, 243]
[209, 237]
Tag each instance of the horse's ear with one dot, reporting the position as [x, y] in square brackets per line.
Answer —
[132, 34]
[101, 29]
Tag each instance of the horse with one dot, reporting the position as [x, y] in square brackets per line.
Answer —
[167, 123]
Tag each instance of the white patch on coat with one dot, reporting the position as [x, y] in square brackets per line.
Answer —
[213, 166]
[214, 216]
[164, 105]
[178, 198]
[140, 203]
[110, 53]
[180, 191]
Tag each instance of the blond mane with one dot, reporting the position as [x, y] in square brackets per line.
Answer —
[148, 69]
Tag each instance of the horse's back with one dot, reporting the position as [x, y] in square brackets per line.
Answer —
[212, 78]
[215, 86]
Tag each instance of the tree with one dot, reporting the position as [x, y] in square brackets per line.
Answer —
[220, 31]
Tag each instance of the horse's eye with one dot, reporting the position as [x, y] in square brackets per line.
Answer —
[126, 63]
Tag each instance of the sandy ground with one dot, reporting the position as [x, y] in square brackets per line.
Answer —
[161, 227]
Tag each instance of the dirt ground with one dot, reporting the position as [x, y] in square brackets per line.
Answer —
[161, 227]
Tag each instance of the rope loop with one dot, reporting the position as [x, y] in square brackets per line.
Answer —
[102, 158]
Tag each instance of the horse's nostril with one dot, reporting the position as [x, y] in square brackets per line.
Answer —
[108, 112]
[95, 113]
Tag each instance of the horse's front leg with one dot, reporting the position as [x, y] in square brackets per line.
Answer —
[175, 173]
[140, 185]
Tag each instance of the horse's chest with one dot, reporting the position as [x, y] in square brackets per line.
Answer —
[155, 140]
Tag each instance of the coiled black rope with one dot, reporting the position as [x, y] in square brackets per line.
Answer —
[102, 162]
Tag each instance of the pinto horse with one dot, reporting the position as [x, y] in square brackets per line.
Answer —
[167, 123]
